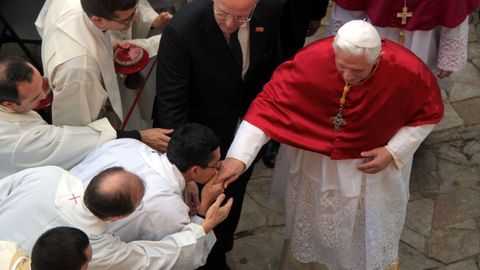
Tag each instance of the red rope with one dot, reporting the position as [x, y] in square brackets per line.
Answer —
[137, 96]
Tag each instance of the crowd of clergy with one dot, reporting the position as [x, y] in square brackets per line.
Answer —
[133, 150]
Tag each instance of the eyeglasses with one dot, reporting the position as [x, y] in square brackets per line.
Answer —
[129, 19]
[217, 168]
[226, 16]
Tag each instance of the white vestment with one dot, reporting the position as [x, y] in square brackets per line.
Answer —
[164, 211]
[137, 34]
[442, 47]
[335, 214]
[28, 141]
[35, 200]
[78, 61]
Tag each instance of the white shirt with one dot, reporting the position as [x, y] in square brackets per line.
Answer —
[28, 141]
[38, 199]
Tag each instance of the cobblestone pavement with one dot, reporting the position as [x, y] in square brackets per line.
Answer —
[443, 216]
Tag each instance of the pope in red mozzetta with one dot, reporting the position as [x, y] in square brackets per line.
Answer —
[350, 111]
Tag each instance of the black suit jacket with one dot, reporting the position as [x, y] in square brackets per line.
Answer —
[197, 79]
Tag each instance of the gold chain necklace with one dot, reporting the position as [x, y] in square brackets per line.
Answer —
[337, 119]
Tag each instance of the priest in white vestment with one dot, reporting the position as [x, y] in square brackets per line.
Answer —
[35, 200]
[77, 57]
[146, 20]
[192, 157]
[346, 157]
[28, 141]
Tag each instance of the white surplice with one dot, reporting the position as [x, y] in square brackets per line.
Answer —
[442, 47]
[28, 141]
[335, 214]
[164, 211]
[78, 61]
[35, 200]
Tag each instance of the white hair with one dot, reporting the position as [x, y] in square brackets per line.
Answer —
[343, 45]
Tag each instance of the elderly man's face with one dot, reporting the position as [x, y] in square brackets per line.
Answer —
[352, 68]
[231, 14]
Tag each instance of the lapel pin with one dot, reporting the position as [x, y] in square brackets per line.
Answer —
[259, 29]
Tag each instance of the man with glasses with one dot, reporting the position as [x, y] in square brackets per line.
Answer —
[193, 156]
[77, 56]
[215, 56]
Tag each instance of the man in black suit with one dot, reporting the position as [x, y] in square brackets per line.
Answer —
[203, 76]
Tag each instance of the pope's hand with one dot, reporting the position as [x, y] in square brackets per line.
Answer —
[216, 214]
[162, 19]
[380, 158]
[230, 170]
[157, 138]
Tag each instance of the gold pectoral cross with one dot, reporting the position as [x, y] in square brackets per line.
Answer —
[338, 120]
[404, 15]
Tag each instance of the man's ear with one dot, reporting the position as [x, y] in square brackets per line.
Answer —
[98, 21]
[10, 105]
[194, 170]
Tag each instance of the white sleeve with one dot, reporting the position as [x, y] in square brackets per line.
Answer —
[406, 141]
[247, 143]
[175, 251]
[79, 94]
[39, 144]
[452, 50]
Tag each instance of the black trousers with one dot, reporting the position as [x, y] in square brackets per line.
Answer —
[225, 231]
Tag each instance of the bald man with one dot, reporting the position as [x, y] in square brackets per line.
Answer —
[35, 200]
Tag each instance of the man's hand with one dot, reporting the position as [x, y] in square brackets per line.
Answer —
[216, 214]
[119, 43]
[380, 159]
[313, 27]
[442, 73]
[162, 19]
[192, 198]
[157, 138]
[210, 191]
[230, 170]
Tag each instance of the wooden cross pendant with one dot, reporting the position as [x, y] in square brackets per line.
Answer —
[404, 14]
[338, 121]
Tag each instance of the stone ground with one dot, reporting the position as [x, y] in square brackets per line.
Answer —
[443, 217]
[442, 229]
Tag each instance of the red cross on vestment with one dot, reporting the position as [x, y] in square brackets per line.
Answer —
[74, 198]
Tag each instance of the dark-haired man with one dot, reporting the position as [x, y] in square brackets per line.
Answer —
[193, 156]
[77, 55]
[28, 141]
[38, 199]
[56, 249]
[62, 248]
